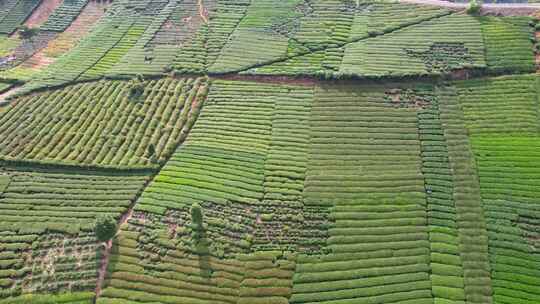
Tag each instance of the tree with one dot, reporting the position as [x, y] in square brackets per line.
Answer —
[197, 228]
[105, 227]
[26, 32]
[136, 87]
[474, 7]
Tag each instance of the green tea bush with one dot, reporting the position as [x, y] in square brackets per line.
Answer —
[27, 33]
[105, 227]
[474, 7]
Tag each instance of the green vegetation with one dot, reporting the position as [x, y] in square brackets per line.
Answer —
[196, 223]
[474, 7]
[63, 15]
[16, 11]
[268, 152]
[505, 105]
[105, 227]
[37, 262]
[64, 199]
[146, 135]
[318, 38]
[507, 170]
[508, 43]
[67, 298]
[27, 33]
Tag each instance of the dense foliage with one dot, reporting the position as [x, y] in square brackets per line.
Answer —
[268, 152]
[105, 227]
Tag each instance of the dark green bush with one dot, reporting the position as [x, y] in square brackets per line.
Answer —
[105, 227]
[26, 32]
[474, 8]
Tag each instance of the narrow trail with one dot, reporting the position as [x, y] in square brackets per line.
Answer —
[202, 11]
[537, 56]
[104, 262]
[5, 95]
[449, 4]
[487, 8]
[42, 13]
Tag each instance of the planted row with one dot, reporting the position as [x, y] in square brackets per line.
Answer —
[364, 165]
[107, 123]
[41, 261]
[64, 199]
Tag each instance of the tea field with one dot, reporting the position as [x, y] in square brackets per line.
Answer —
[268, 152]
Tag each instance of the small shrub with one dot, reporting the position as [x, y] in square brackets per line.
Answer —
[197, 228]
[26, 32]
[474, 7]
[136, 87]
[105, 227]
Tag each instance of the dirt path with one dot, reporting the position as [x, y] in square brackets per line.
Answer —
[104, 263]
[505, 9]
[537, 56]
[303, 81]
[42, 13]
[5, 95]
[79, 28]
[465, 5]
[203, 12]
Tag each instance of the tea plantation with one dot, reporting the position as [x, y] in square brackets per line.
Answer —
[269, 152]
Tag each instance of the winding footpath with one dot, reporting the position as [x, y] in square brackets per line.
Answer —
[498, 8]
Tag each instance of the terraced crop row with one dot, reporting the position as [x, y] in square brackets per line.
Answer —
[286, 161]
[386, 175]
[508, 171]
[318, 38]
[36, 54]
[190, 32]
[37, 262]
[432, 47]
[349, 28]
[107, 34]
[254, 36]
[181, 37]
[64, 298]
[64, 15]
[139, 274]
[365, 165]
[6, 6]
[503, 105]
[114, 55]
[64, 199]
[508, 43]
[92, 12]
[471, 223]
[446, 263]
[142, 58]
[102, 123]
[376, 156]
[224, 19]
[231, 137]
[15, 14]
[501, 116]
[333, 25]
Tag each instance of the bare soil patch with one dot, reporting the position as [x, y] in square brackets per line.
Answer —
[42, 13]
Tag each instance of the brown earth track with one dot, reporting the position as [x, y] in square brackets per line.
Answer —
[303, 81]
[202, 11]
[500, 9]
[6, 94]
[82, 25]
[42, 13]
[537, 54]
[104, 262]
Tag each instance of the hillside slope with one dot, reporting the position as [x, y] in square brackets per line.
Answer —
[268, 152]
